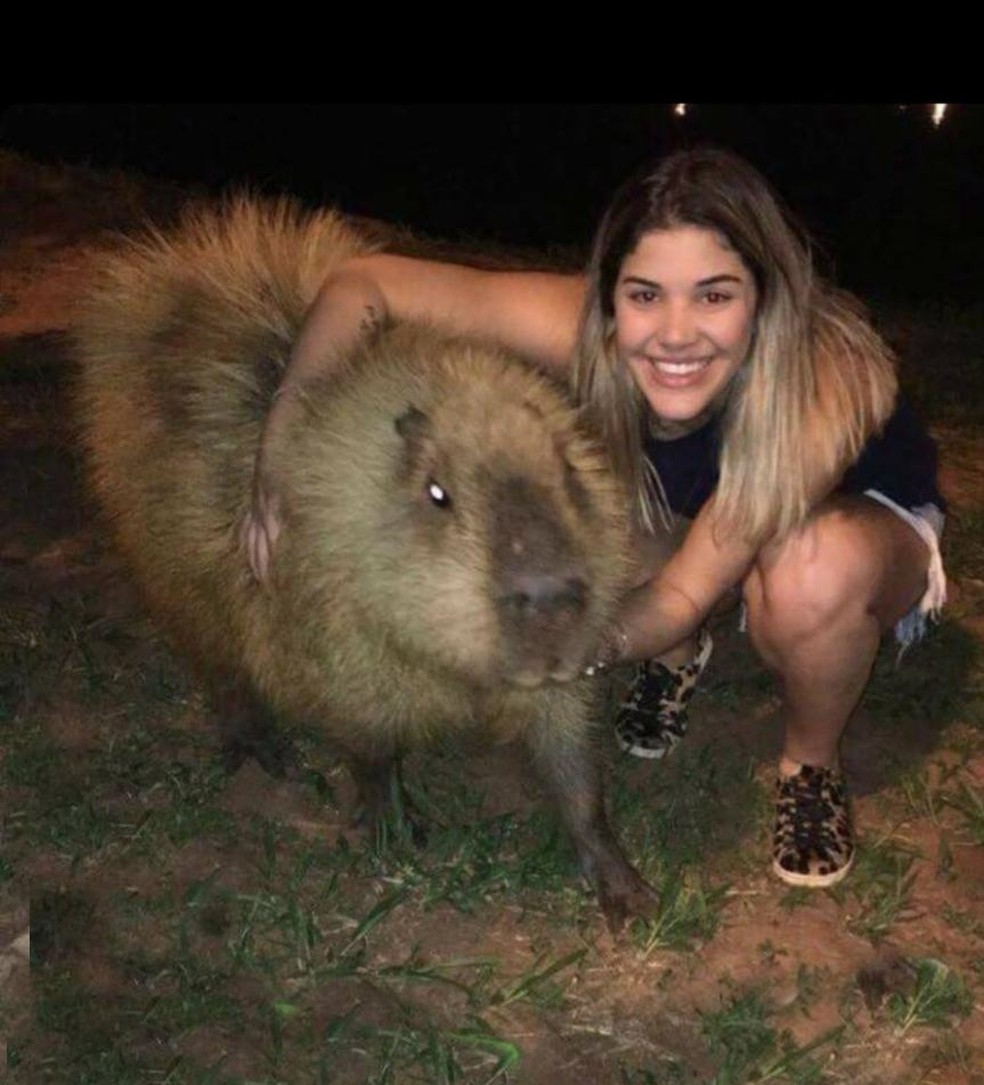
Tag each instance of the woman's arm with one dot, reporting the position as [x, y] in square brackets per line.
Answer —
[661, 613]
[534, 313]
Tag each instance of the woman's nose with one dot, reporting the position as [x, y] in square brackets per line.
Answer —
[677, 327]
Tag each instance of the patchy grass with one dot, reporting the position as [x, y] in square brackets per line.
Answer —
[750, 1048]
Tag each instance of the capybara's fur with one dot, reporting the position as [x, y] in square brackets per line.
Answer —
[454, 540]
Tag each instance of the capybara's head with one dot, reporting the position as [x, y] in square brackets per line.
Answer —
[448, 498]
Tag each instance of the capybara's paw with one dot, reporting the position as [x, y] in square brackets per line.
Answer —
[279, 756]
[275, 753]
[625, 897]
[388, 827]
[233, 754]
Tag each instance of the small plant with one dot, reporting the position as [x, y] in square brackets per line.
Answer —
[671, 1073]
[939, 996]
[753, 1051]
[970, 802]
[882, 881]
[440, 1056]
[922, 796]
[963, 921]
[536, 983]
[686, 913]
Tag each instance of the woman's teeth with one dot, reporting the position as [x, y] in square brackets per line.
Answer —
[680, 368]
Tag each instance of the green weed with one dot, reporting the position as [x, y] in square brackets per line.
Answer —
[969, 801]
[537, 983]
[752, 1050]
[422, 1053]
[686, 913]
[671, 1072]
[964, 922]
[939, 997]
[881, 882]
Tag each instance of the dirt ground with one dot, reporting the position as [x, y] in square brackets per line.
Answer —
[844, 960]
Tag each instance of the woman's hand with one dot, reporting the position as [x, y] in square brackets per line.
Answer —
[349, 306]
[662, 614]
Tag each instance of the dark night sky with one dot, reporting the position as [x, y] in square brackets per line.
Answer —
[894, 201]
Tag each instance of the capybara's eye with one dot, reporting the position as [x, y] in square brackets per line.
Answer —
[438, 495]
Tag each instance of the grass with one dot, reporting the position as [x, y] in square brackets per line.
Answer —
[969, 801]
[938, 999]
[686, 913]
[273, 927]
[750, 1048]
[881, 884]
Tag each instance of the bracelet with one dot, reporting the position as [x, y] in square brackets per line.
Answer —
[613, 646]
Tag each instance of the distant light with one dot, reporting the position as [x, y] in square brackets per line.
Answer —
[939, 111]
[681, 109]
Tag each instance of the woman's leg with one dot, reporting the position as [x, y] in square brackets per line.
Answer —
[818, 603]
[817, 606]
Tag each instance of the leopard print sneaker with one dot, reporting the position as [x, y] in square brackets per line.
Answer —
[653, 717]
[813, 843]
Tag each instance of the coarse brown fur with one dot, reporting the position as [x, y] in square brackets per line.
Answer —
[394, 609]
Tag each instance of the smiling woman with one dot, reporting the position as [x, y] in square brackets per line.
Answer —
[733, 387]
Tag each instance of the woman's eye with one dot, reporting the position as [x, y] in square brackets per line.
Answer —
[643, 297]
[716, 297]
[438, 495]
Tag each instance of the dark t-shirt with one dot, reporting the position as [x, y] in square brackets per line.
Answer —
[900, 462]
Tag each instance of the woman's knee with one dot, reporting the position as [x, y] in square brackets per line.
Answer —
[842, 569]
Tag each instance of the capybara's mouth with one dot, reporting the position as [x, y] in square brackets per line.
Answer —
[549, 672]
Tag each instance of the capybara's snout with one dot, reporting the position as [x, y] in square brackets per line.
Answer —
[537, 594]
[542, 585]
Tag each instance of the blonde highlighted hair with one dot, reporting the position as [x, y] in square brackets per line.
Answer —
[817, 382]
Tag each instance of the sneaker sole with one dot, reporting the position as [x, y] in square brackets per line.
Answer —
[811, 881]
[655, 753]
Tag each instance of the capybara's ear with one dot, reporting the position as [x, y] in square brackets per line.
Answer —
[413, 426]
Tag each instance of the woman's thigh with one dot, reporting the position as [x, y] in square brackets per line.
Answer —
[852, 550]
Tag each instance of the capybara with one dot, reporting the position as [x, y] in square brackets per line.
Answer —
[454, 543]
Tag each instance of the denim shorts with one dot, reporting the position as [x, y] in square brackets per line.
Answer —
[927, 521]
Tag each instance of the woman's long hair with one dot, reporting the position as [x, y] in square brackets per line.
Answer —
[817, 381]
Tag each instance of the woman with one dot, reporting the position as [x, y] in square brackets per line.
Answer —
[733, 387]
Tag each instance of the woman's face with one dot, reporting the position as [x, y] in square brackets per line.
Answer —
[685, 307]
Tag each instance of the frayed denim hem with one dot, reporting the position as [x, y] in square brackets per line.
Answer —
[927, 521]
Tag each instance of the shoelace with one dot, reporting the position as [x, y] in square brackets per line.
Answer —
[648, 686]
[813, 810]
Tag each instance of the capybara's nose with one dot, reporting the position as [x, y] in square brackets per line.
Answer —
[546, 593]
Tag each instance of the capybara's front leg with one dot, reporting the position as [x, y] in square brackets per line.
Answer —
[569, 764]
[247, 728]
[384, 805]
